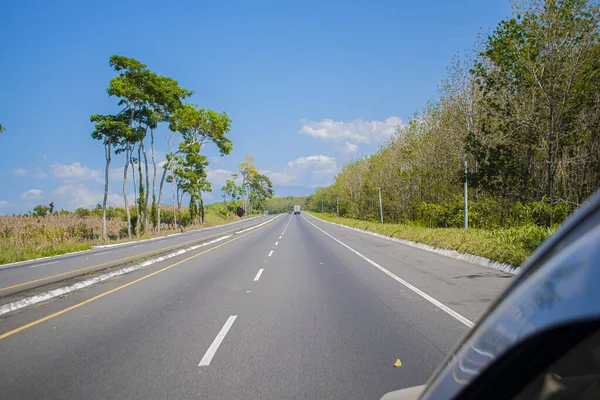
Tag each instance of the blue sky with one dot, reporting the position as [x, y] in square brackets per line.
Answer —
[309, 85]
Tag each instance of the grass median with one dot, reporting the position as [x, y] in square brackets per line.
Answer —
[511, 245]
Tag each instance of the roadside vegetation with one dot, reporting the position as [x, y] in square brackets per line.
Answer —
[146, 103]
[510, 245]
[24, 237]
[283, 204]
[517, 119]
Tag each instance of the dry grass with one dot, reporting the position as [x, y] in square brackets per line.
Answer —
[25, 237]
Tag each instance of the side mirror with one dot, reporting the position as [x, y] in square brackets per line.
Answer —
[411, 393]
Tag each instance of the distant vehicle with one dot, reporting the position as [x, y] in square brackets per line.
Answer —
[266, 212]
[297, 209]
[541, 338]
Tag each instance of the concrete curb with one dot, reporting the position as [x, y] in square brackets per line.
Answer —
[473, 259]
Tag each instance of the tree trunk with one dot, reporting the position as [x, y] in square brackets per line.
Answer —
[179, 207]
[140, 193]
[160, 188]
[107, 150]
[173, 202]
[153, 173]
[201, 209]
[125, 170]
[147, 192]
[551, 167]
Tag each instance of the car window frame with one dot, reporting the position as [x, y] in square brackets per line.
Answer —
[585, 219]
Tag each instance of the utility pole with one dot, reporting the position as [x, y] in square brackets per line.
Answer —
[466, 199]
[337, 206]
[380, 205]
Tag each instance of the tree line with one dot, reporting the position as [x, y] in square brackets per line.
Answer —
[523, 111]
[146, 101]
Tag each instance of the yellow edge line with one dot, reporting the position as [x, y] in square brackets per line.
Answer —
[129, 258]
[56, 314]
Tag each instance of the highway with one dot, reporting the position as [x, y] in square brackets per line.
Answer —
[17, 277]
[294, 309]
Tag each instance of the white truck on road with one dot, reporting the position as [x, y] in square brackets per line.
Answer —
[297, 209]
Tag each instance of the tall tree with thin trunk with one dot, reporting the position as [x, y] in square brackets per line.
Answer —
[112, 130]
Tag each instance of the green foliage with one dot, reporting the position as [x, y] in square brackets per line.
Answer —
[41, 210]
[524, 113]
[198, 125]
[82, 212]
[261, 189]
[283, 204]
[511, 246]
[193, 210]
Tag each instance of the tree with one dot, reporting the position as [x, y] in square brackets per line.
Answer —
[261, 189]
[537, 71]
[128, 86]
[232, 191]
[147, 99]
[112, 130]
[2, 128]
[41, 210]
[197, 126]
[247, 171]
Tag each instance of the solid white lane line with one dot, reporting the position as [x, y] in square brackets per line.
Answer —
[270, 253]
[210, 353]
[39, 265]
[257, 277]
[276, 243]
[418, 291]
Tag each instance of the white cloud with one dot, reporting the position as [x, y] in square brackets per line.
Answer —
[79, 195]
[44, 156]
[358, 131]
[280, 177]
[348, 148]
[312, 171]
[75, 171]
[5, 204]
[32, 194]
[217, 177]
[318, 164]
[38, 173]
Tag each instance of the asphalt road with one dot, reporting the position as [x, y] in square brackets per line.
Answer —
[35, 273]
[295, 309]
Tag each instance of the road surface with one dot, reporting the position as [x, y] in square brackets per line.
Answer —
[35, 273]
[295, 309]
